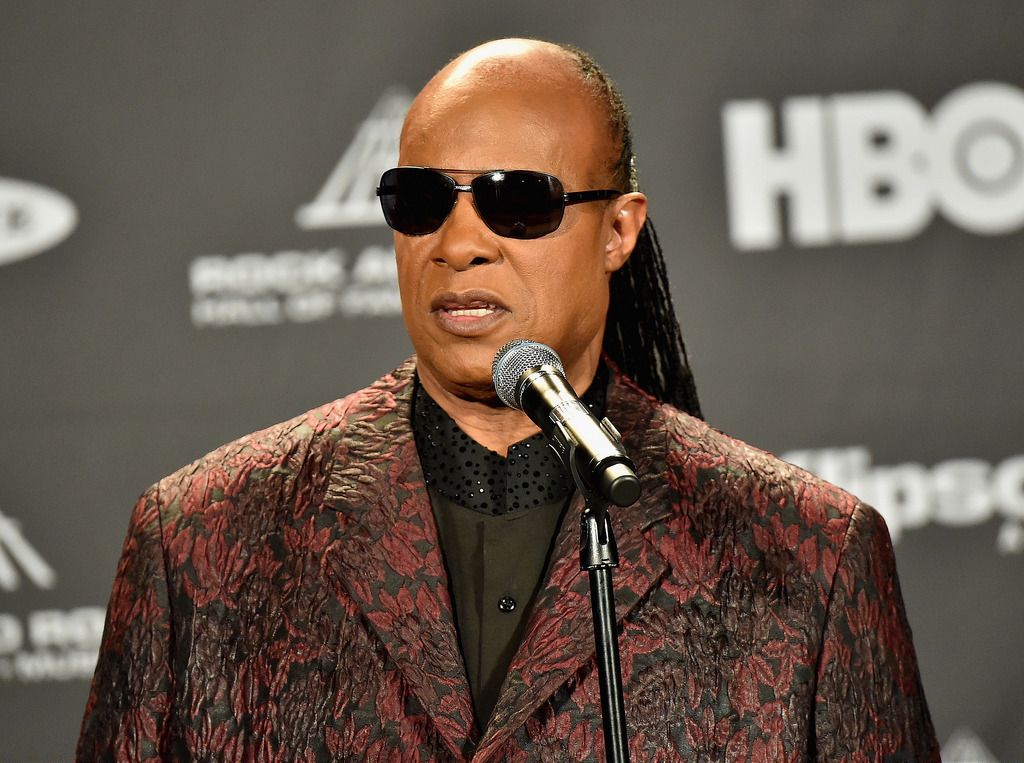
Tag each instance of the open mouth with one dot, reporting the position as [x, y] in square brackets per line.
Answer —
[468, 313]
[475, 311]
[475, 303]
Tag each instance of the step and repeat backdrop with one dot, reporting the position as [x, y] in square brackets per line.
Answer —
[190, 249]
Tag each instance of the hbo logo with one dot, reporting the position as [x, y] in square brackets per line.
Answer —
[870, 167]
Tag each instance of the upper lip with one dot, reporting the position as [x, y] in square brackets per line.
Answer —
[466, 300]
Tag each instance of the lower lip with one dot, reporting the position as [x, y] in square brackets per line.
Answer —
[469, 325]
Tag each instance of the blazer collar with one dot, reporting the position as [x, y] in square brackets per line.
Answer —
[559, 638]
[389, 559]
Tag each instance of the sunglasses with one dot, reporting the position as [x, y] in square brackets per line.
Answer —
[513, 203]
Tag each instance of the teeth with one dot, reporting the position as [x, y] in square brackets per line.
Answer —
[475, 312]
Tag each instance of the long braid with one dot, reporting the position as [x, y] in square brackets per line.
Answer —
[642, 334]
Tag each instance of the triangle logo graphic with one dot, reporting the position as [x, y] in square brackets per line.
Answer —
[15, 552]
[964, 746]
[348, 199]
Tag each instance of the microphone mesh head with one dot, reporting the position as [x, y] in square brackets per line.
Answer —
[515, 358]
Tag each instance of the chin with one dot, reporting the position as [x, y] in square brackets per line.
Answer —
[474, 375]
[478, 387]
[462, 371]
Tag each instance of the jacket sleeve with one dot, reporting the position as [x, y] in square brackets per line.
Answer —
[869, 703]
[125, 717]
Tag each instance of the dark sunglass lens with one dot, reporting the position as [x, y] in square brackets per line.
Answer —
[415, 201]
[519, 203]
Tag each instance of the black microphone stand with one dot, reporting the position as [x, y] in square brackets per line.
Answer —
[598, 555]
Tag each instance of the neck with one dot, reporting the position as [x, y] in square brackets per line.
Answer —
[488, 421]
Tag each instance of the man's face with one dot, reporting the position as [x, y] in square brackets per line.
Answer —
[465, 290]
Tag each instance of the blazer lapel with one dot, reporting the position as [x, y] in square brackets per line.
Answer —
[389, 558]
[559, 638]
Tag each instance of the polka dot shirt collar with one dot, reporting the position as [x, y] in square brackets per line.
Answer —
[468, 474]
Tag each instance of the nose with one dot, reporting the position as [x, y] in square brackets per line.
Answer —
[464, 241]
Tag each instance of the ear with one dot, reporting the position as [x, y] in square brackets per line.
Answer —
[627, 214]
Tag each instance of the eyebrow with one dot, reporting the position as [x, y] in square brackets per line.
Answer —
[466, 172]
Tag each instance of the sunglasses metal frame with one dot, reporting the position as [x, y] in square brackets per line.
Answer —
[567, 198]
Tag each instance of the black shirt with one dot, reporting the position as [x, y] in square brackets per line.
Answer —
[497, 518]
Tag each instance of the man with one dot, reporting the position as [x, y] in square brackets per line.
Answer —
[394, 576]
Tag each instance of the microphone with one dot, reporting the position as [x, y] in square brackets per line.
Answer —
[529, 377]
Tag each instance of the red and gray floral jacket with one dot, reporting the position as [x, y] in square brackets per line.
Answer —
[285, 599]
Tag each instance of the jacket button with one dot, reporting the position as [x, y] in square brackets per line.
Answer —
[506, 604]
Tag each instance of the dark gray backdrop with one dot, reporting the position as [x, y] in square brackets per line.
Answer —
[191, 305]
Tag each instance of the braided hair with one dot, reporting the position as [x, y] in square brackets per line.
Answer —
[642, 335]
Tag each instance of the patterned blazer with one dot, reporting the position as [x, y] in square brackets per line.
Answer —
[285, 599]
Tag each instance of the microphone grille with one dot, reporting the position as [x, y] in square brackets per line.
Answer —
[512, 360]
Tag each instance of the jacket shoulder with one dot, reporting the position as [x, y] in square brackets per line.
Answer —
[727, 487]
[699, 453]
[281, 466]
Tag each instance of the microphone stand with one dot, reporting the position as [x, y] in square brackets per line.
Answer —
[598, 555]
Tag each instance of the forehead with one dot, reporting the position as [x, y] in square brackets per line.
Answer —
[494, 118]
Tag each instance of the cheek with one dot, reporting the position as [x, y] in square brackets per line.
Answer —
[588, 302]
[566, 276]
[414, 312]
[409, 264]
[570, 300]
